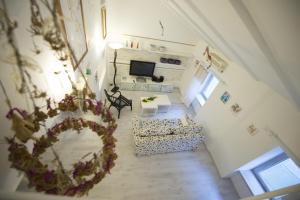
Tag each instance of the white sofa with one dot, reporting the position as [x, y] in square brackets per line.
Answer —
[152, 136]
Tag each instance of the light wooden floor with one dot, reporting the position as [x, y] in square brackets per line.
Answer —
[173, 176]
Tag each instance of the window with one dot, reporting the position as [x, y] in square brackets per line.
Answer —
[277, 173]
[209, 85]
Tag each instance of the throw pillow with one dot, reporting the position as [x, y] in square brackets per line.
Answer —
[184, 121]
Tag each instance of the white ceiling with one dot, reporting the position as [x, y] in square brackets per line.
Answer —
[260, 35]
[141, 18]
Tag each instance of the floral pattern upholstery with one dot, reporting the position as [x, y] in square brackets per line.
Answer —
[152, 136]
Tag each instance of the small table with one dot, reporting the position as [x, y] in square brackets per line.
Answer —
[159, 105]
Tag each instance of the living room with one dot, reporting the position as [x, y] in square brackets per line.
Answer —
[201, 98]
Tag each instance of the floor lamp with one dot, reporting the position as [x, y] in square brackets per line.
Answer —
[115, 46]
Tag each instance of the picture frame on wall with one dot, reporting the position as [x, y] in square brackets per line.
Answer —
[225, 97]
[74, 29]
[103, 22]
[252, 129]
[236, 108]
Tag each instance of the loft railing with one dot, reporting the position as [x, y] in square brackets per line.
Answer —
[276, 193]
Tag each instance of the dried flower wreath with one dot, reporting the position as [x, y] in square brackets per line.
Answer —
[84, 175]
[60, 181]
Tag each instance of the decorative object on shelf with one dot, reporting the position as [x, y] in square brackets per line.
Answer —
[73, 25]
[55, 179]
[153, 47]
[212, 58]
[225, 97]
[158, 79]
[148, 99]
[133, 44]
[208, 57]
[163, 60]
[170, 61]
[177, 62]
[162, 28]
[115, 46]
[252, 130]
[103, 22]
[162, 48]
[236, 108]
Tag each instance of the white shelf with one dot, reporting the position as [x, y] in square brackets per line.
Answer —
[169, 66]
[130, 83]
[134, 49]
[170, 53]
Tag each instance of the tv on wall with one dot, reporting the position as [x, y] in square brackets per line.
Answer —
[141, 68]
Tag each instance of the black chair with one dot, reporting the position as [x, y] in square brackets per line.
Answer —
[118, 101]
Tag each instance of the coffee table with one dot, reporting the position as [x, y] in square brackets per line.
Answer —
[160, 104]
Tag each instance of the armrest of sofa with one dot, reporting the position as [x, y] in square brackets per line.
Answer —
[135, 125]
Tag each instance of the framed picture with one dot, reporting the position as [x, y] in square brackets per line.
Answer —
[225, 97]
[236, 108]
[252, 130]
[74, 29]
[103, 22]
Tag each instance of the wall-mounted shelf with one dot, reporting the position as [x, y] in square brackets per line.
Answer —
[134, 49]
[167, 53]
[130, 83]
[171, 53]
[169, 66]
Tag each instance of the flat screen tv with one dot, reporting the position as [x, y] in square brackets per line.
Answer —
[141, 68]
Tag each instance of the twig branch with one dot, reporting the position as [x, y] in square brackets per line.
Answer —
[6, 96]
[11, 40]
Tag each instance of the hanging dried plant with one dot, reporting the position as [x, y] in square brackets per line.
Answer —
[58, 181]
[48, 29]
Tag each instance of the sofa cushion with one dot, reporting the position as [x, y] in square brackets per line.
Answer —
[153, 127]
[161, 130]
[145, 123]
[183, 121]
[156, 127]
[191, 127]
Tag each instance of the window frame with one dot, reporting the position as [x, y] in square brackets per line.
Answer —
[268, 164]
[207, 82]
[202, 98]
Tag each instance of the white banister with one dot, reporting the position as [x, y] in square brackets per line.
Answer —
[275, 193]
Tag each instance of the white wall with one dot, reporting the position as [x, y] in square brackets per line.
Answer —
[170, 72]
[55, 85]
[240, 185]
[95, 58]
[141, 18]
[227, 138]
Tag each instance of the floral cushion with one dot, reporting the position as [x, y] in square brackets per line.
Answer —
[192, 127]
[145, 123]
[154, 127]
